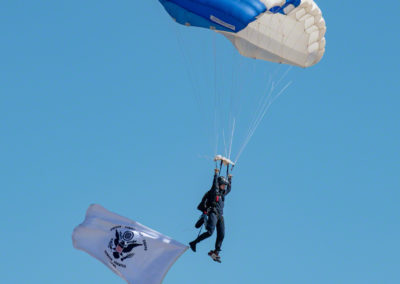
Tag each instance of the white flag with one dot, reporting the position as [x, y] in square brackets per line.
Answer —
[135, 252]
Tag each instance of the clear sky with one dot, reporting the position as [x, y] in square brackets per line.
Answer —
[96, 107]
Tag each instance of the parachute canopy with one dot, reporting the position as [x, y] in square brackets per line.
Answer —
[281, 31]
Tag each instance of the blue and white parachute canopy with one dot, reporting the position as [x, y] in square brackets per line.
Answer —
[282, 31]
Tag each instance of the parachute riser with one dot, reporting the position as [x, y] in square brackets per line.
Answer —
[224, 161]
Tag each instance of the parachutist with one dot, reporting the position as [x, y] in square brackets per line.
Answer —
[212, 205]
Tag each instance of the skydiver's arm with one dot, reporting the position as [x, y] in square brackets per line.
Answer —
[215, 180]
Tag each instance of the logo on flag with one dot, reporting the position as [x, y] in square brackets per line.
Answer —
[122, 244]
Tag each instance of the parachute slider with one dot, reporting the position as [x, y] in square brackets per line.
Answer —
[224, 160]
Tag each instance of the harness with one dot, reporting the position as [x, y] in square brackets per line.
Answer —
[210, 202]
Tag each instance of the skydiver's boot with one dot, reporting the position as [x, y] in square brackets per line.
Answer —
[193, 245]
[215, 256]
[203, 236]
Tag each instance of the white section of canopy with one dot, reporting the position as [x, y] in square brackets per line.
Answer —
[297, 38]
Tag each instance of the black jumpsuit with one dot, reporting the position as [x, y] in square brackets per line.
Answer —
[215, 203]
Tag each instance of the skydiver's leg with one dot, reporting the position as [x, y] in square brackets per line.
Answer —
[210, 227]
[220, 233]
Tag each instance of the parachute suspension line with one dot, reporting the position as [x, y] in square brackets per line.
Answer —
[269, 99]
[231, 140]
[260, 119]
[260, 104]
[219, 116]
[221, 121]
[238, 90]
[264, 104]
[216, 130]
[266, 107]
[223, 136]
[216, 121]
[193, 82]
[232, 97]
[258, 110]
[235, 93]
[284, 75]
[188, 65]
[235, 96]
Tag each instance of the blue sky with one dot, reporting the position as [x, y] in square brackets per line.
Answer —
[96, 107]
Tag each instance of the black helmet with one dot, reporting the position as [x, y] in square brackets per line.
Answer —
[222, 180]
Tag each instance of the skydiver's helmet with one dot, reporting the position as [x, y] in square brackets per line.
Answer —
[222, 181]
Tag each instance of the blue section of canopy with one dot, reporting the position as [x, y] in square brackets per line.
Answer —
[280, 9]
[226, 15]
